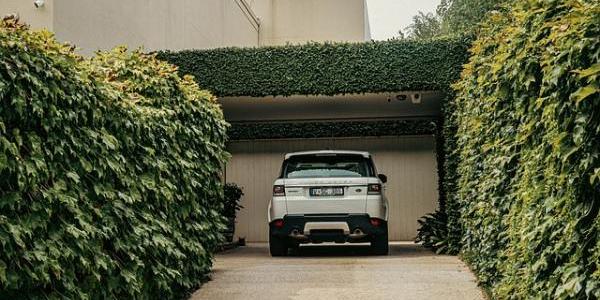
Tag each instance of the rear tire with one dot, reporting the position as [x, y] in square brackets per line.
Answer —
[379, 244]
[277, 246]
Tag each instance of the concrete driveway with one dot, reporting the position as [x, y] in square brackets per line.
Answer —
[339, 272]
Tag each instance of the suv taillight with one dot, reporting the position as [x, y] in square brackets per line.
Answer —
[278, 190]
[374, 189]
[375, 222]
[278, 223]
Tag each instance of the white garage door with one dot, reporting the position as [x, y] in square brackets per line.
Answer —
[409, 162]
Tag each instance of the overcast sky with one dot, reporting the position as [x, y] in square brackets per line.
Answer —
[388, 16]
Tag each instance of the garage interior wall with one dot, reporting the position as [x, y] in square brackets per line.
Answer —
[408, 161]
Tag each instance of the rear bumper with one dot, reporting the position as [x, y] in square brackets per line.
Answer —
[339, 228]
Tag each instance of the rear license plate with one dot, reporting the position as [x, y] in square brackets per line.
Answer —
[327, 191]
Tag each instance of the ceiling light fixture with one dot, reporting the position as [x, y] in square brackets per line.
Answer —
[401, 97]
[415, 98]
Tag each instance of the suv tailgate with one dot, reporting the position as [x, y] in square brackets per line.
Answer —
[300, 201]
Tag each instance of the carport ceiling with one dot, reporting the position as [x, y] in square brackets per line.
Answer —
[341, 107]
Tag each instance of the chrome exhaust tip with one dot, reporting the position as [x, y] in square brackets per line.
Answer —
[297, 234]
[357, 234]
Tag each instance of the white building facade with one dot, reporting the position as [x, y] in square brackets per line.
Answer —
[193, 24]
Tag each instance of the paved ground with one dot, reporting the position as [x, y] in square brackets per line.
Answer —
[339, 272]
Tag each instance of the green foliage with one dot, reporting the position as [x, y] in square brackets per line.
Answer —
[233, 195]
[452, 18]
[424, 26]
[464, 16]
[448, 186]
[250, 131]
[325, 69]
[527, 122]
[441, 230]
[109, 173]
[433, 231]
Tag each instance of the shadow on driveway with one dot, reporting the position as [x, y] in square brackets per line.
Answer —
[337, 250]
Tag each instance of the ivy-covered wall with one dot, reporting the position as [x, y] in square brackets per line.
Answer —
[109, 173]
[525, 130]
[250, 131]
[325, 69]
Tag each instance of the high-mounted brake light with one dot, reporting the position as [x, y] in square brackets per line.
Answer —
[278, 190]
[374, 189]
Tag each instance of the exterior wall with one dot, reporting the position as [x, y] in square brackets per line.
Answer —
[38, 18]
[301, 21]
[194, 24]
[367, 29]
[409, 163]
[173, 24]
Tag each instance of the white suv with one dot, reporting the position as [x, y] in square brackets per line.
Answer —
[328, 196]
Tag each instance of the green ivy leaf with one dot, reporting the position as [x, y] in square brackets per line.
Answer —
[593, 70]
[584, 92]
[73, 176]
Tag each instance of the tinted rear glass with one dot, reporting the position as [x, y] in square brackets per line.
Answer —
[310, 166]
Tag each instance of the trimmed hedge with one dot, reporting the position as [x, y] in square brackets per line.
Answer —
[527, 120]
[325, 69]
[109, 173]
[249, 131]
[439, 230]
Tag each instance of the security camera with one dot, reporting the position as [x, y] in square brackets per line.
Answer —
[415, 98]
[39, 3]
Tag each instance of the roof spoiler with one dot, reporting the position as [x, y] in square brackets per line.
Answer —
[328, 153]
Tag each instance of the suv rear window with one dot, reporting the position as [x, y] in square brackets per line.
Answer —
[327, 165]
